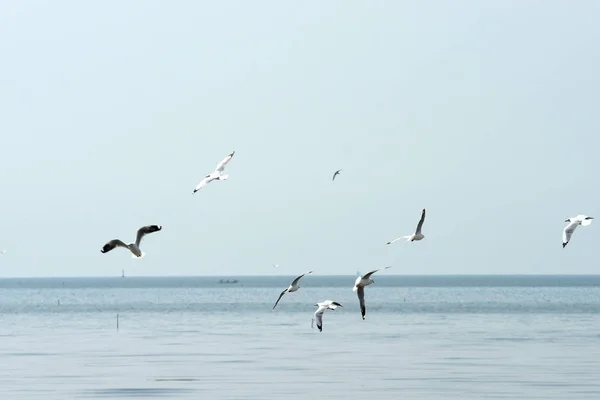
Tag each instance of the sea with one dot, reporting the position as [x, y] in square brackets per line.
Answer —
[424, 337]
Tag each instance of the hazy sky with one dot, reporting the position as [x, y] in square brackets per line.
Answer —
[483, 112]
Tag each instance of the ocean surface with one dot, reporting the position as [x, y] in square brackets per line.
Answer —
[424, 337]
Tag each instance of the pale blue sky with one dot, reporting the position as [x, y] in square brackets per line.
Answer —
[483, 112]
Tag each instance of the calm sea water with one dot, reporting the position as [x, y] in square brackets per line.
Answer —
[451, 337]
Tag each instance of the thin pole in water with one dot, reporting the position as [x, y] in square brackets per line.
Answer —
[117, 322]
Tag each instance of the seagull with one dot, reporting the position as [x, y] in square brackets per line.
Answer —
[133, 247]
[574, 222]
[292, 288]
[415, 236]
[326, 305]
[336, 173]
[359, 288]
[217, 174]
[2, 252]
[275, 265]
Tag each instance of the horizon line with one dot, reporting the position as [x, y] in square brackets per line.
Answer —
[286, 275]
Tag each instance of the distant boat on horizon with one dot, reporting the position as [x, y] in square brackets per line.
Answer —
[228, 281]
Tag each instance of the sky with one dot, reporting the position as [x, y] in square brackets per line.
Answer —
[484, 113]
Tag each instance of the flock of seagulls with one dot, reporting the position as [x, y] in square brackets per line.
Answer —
[359, 288]
[361, 281]
[365, 280]
[217, 175]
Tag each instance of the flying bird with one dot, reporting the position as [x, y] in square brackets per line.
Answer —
[336, 173]
[415, 236]
[573, 223]
[359, 288]
[292, 288]
[326, 305]
[2, 252]
[275, 265]
[217, 174]
[133, 247]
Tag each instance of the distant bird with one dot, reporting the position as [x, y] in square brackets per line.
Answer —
[574, 222]
[336, 173]
[292, 288]
[275, 265]
[2, 252]
[415, 236]
[326, 305]
[133, 247]
[359, 288]
[217, 174]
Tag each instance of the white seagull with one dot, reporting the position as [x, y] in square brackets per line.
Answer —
[275, 265]
[415, 236]
[574, 222]
[2, 252]
[326, 305]
[359, 288]
[133, 247]
[217, 174]
[292, 288]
